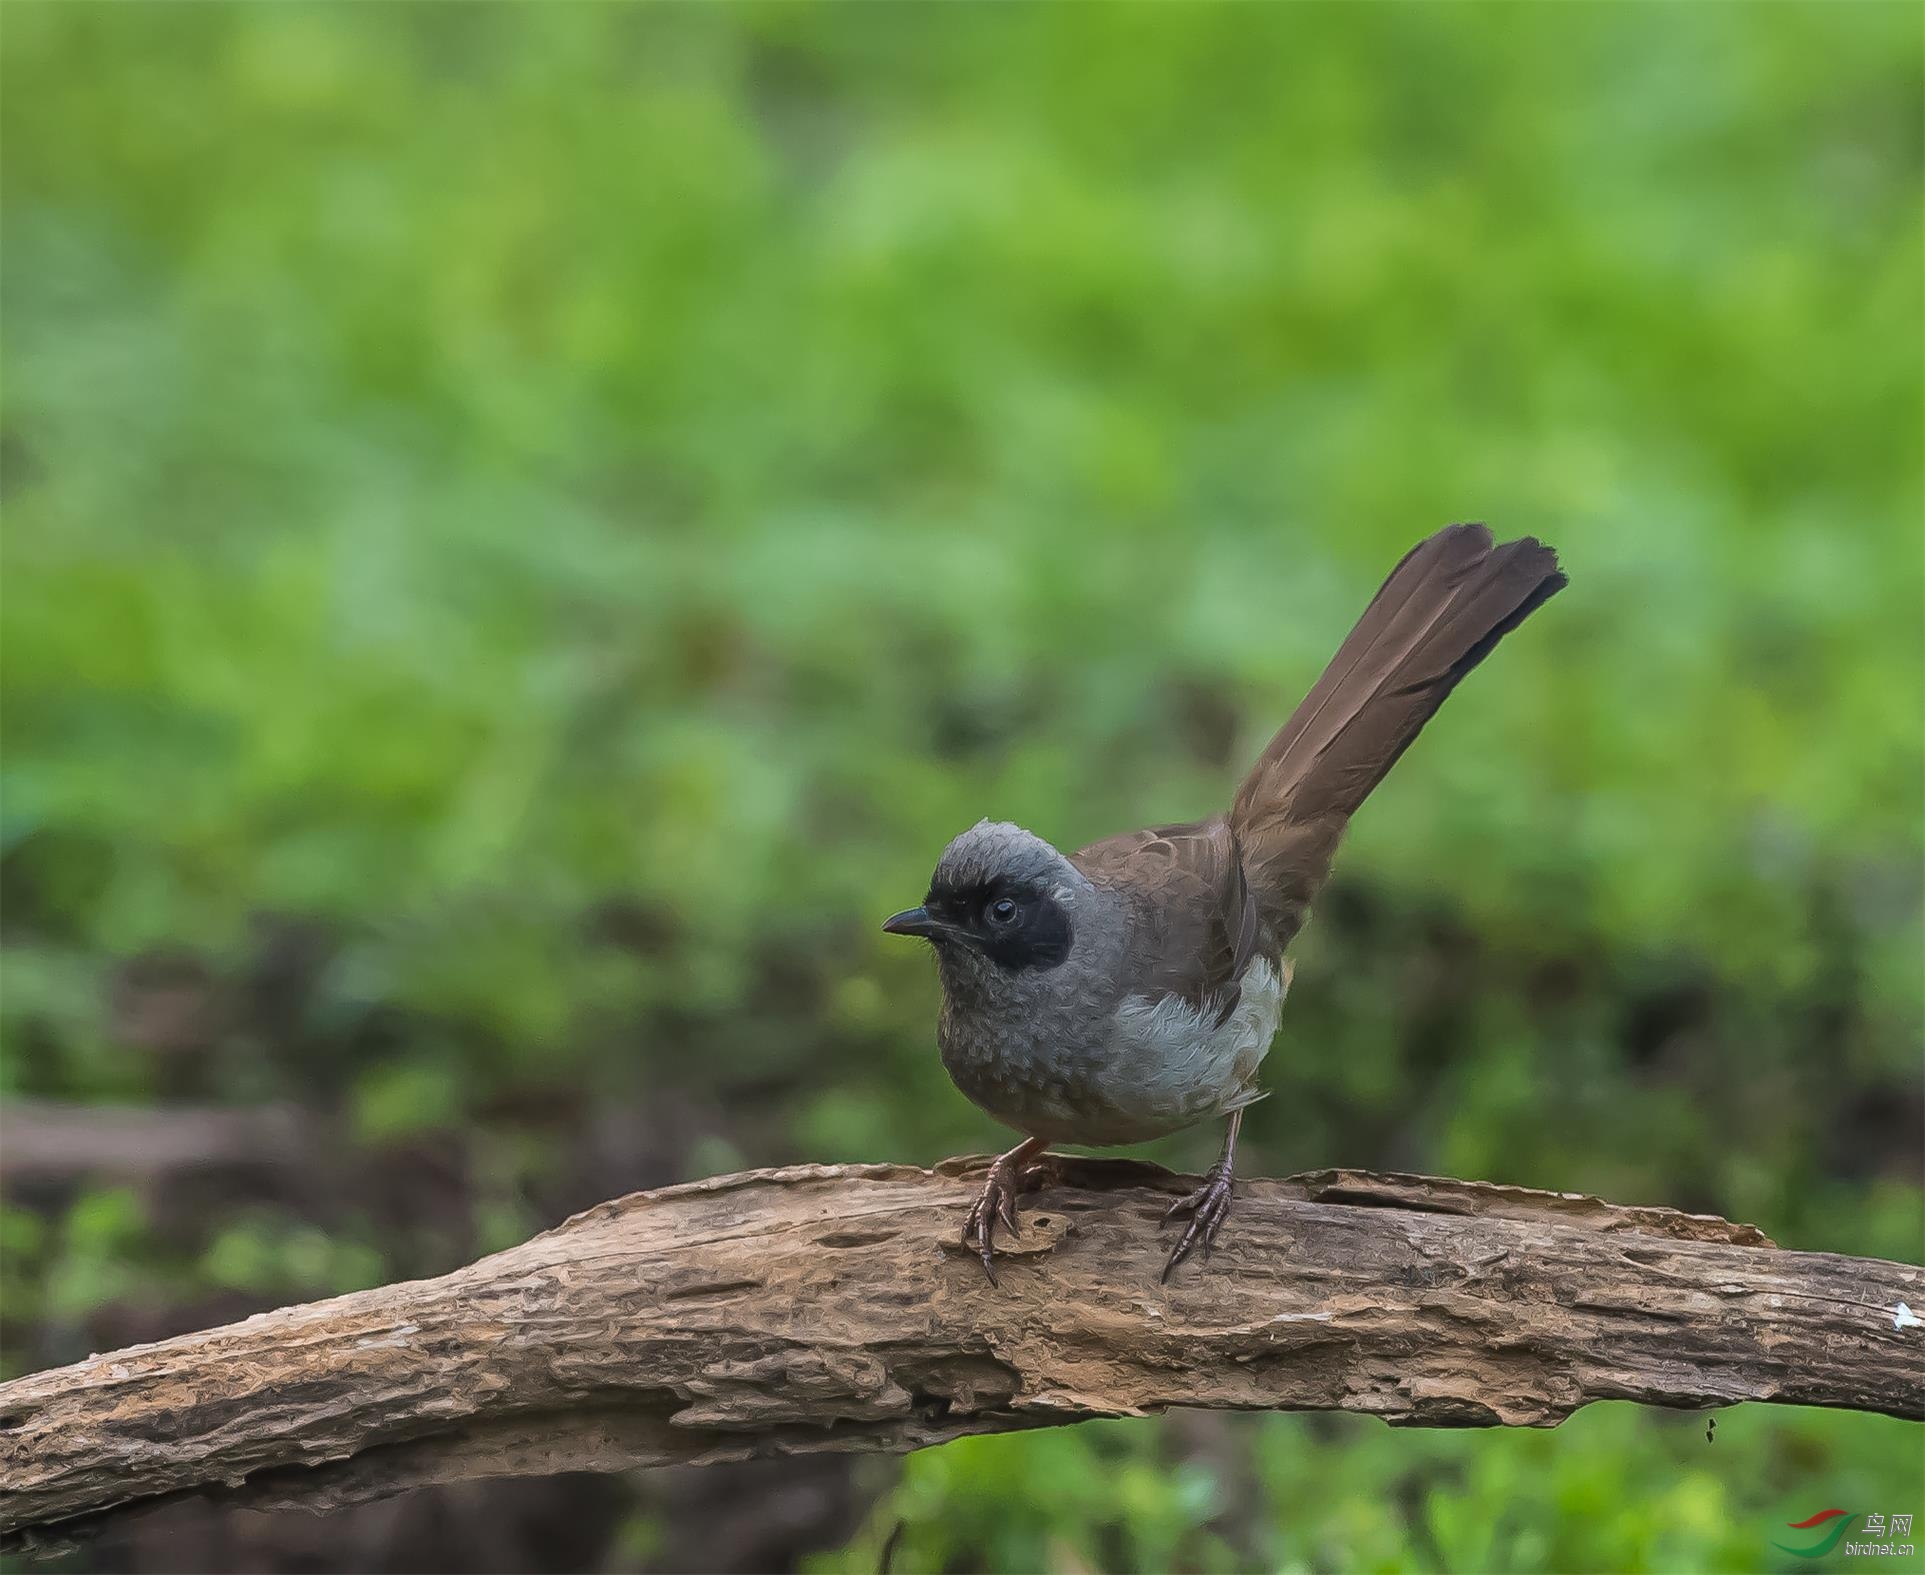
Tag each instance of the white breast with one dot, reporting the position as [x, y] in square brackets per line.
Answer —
[1173, 1065]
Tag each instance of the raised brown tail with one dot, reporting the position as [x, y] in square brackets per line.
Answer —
[1443, 608]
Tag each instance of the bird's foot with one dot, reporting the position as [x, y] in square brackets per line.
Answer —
[1010, 1177]
[1206, 1207]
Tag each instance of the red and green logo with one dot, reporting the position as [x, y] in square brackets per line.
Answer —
[1825, 1543]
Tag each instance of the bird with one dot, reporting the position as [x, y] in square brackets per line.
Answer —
[1132, 988]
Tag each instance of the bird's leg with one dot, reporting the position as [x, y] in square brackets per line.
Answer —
[1209, 1203]
[997, 1200]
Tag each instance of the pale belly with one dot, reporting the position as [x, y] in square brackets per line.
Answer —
[1150, 1070]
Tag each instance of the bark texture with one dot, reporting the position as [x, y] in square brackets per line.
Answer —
[830, 1307]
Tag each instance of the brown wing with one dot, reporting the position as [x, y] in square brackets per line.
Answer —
[1197, 922]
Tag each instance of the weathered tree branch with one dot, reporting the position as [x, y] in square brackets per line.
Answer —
[827, 1307]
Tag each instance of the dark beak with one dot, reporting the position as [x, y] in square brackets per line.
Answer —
[915, 921]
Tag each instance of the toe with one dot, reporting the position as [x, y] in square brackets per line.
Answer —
[1207, 1207]
[1183, 1247]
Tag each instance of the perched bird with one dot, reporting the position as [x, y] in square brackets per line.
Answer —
[1132, 989]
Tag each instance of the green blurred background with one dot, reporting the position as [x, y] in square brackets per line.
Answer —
[527, 529]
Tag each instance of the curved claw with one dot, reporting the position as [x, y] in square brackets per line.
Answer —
[979, 1231]
[1207, 1207]
[1006, 1181]
[982, 1227]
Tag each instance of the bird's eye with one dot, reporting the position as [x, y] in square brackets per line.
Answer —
[1002, 910]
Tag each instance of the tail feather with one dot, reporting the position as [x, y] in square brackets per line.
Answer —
[1440, 613]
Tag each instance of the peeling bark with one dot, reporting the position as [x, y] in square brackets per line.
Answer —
[830, 1307]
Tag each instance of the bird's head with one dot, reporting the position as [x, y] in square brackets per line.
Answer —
[1001, 894]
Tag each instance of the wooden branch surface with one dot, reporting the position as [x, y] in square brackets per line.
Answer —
[829, 1307]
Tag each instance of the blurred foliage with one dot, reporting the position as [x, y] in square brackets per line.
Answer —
[527, 529]
[1612, 1489]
